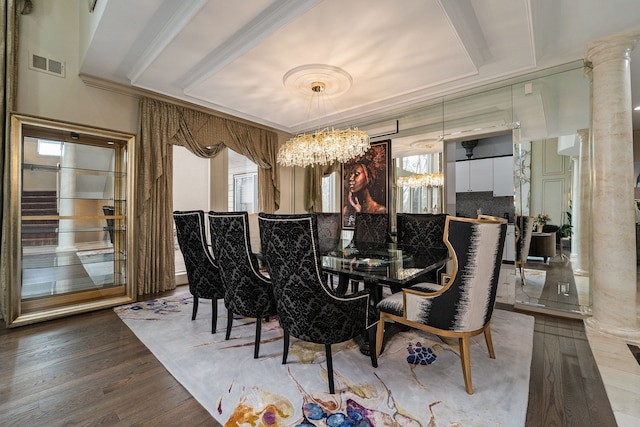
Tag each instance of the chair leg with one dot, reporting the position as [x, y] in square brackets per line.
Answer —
[214, 315]
[487, 338]
[229, 324]
[371, 332]
[466, 363]
[524, 282]
[195, 308]
[379, 337]
[285, 350]
[327, 350]
[256, 345]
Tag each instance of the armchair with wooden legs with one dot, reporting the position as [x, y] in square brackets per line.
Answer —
[462, 307]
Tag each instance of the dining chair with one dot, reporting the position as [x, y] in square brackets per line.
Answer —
[422, 231]
[202, 271]
[524, 230]
[247, 292]
[462, 307]
[371, 229]
[329, 232]
[307, 308]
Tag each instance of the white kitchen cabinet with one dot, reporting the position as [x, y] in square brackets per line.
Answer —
[503, 176]
[474, 175]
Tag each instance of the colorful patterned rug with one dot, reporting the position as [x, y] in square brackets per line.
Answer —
[418, 382]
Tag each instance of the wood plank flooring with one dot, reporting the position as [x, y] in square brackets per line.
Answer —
[91, 370]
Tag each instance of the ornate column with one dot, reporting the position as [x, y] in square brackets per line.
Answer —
[581, 207]
[613, 215]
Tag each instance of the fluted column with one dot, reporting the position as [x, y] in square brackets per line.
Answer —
[581, 207]
[613, 215]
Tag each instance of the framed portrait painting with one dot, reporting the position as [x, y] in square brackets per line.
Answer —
[365, 183]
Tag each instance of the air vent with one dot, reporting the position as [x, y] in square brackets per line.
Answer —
[47, 65]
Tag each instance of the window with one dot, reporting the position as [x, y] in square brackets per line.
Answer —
[49, 148]
[245, 192]
[329, 193]
[243, 183]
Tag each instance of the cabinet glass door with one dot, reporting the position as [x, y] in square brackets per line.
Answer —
[72, 185]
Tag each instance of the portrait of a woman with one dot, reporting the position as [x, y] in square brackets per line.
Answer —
[365, 184]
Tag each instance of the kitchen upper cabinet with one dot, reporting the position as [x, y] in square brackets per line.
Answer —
[503, 183]
[474, 175]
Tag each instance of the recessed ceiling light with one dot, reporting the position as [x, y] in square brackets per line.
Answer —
[637, 108]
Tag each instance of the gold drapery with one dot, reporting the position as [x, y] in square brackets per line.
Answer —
[161, 125]
[8, 89]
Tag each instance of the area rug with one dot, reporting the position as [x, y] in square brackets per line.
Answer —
[418, 381]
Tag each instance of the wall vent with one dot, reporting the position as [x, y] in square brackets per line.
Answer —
[47, 65]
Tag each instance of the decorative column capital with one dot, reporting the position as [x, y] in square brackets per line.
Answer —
[615, 47]
[583, 134]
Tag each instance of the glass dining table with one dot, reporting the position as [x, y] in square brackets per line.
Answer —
[378, 266]
[389, 264]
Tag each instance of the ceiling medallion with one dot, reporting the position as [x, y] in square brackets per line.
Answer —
[328, 145]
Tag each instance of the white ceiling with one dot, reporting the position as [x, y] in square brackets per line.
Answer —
[397, 54]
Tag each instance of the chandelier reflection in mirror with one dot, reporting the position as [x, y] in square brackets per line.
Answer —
[324, 146]
[421, 180]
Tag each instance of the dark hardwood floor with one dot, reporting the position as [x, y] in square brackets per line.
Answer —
[90, 370]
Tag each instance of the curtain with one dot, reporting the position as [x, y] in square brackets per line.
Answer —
[8, 89]
[162, 125]
[313, 179]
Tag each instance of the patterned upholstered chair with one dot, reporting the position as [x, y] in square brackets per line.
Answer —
[524, 231]
[329, 230]
[202, 271]
[246, 291]
[463, 306]
[422, 231]
[371, 229]
[307, 308]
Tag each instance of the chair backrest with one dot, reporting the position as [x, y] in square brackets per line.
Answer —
[231, 244]
[493, 218]
[421, 230]
[329, 230]
[524, 230]
[371, 229]
[476, 247]
[244, 286]
[306, 307]
[202, 271]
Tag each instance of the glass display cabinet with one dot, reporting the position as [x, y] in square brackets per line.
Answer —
[70, 211]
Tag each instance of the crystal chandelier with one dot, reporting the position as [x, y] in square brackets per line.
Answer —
[421, 180]
[324, 146]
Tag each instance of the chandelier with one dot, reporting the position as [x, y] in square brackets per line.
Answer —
[421, 180]
[325, 146]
